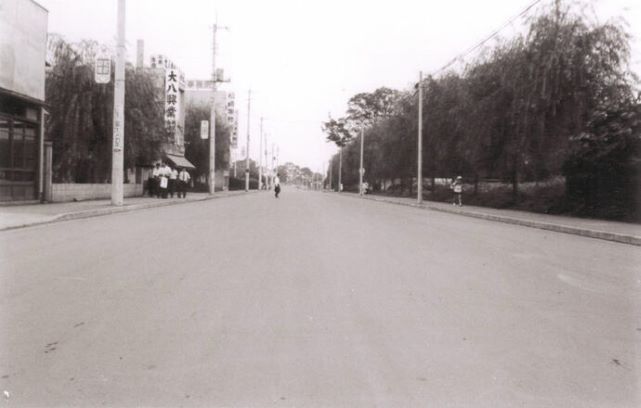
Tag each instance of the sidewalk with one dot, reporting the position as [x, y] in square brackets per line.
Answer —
[18, 216]
[627, 233]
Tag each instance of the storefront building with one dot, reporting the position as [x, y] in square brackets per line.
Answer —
[170, 81]
[23, 44]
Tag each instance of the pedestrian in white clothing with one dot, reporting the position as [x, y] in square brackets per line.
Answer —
[183, 182]
[173, 181]
[276, 186]
[457, 188]
[165, 172]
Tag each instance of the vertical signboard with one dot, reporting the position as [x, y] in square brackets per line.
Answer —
[204, 129]
[171, 98]
[118, 127]
[234, 131]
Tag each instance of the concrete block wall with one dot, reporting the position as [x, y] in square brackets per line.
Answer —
[78, 192]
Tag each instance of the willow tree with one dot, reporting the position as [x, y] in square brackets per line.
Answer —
[564, 70]
[81, 115]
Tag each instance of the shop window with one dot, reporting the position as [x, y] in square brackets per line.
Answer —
[17, 146]
[30, 153]
[5, 147]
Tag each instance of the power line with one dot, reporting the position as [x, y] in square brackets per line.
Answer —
[293, 120]
[488, 38]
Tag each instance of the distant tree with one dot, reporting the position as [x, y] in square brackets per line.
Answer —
[366, 108]
[337, 131]
[197, 149]
[282, 174]
[241, 165]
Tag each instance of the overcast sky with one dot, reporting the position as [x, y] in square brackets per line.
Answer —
[304, 59]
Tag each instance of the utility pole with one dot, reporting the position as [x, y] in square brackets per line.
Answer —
[419, 185]
[277, 159]
[273, 168]
[361, 170]
[118, 144]
[212, 115]
[340, 169]
[212, 119]
[330, 175]
[235, 160]
[249, 98]
[260, 157]
[267, 167]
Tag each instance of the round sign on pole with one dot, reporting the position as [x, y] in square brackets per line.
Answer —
[102, 69]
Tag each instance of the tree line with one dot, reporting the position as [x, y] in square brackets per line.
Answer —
[558, 101]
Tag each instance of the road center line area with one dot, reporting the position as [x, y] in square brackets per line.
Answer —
[315, 300]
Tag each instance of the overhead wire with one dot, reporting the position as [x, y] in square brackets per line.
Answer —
[496, 32]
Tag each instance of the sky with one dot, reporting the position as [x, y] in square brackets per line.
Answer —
[303, 60]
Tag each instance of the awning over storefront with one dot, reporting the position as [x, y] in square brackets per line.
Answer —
[180, 161]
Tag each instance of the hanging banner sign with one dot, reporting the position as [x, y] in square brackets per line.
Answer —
[171, 98]
[204, 129]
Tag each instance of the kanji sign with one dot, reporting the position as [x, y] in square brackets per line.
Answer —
[118, 128]
[171, 98]
[102, 69]
[204, 129]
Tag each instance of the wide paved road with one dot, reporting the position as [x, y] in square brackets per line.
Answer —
[315, 300]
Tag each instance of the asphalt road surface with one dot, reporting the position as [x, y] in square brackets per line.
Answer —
[315, 300]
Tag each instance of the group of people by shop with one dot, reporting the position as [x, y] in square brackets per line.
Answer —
[166, 181]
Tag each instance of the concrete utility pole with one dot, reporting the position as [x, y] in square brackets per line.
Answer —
[212, 115]
[361, 170]
[277, 158]
[212, 119]
[260, 157]
[273, 168]
[268, 168]
[340, 169]
[330, 175]
[249, 98]
[117, 162]
[419, 185]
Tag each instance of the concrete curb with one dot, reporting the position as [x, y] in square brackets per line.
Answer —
[607, 236]
[116, 210]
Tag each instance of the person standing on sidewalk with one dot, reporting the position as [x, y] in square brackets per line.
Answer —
[155, 181]
[183, 182]
[165, 172]
[173, 181]
[457, 188]
[276, 186]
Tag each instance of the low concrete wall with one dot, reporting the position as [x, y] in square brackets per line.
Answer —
[78, 192]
